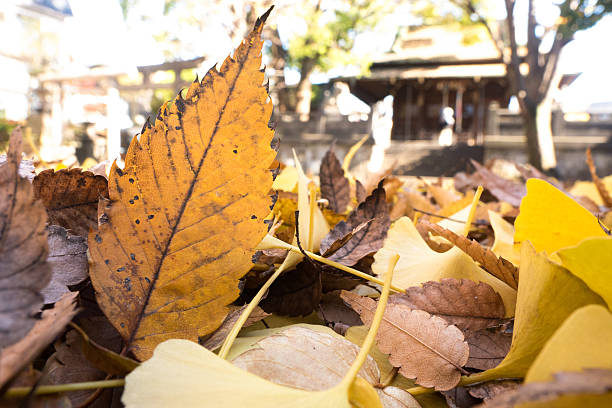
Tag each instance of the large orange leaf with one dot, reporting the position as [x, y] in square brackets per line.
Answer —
[188, 208]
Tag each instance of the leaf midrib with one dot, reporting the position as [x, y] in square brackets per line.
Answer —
[155, 277]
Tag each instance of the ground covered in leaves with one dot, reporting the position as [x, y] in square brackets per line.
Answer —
[205, 273]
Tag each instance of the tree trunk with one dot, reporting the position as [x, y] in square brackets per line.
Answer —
[304, 91]
[540, 145]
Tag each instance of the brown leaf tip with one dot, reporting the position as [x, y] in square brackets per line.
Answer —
[262, 20]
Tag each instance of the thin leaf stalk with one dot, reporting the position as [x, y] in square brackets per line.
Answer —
[270, 242]
[18, 392]
[313, 202]
[468, 224]
[371, 336]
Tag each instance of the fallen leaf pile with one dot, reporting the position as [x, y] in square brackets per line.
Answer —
[205, 272]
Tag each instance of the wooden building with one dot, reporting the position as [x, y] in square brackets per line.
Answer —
[429, 68]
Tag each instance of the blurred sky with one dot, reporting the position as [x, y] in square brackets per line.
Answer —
[101, 35]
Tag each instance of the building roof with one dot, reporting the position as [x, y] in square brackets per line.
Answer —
[440, 44]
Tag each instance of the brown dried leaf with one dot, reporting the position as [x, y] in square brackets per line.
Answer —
[360, 191]
[499, 267]
[334, 185]
[509, 191]
[68, 261]
[591, 387]
[487, 348]
[601, 187]
[336, 314]
[425, 347]
[214, 341]
[492, 389]
[71, 198]
[343, 228]
[30, 377]
[24, 271]
[367, 240]
[438, 246]
[464, 303]
[459, 397]
[296, 292]
[53, 321]
[68, 365]
[306, 359]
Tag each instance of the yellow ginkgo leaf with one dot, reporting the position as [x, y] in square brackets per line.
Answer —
[184, 374]
[504, 239]
[584, 340]
[591, 261]
[286, 180]
[418, 263]
[547, 295]
[551, 220]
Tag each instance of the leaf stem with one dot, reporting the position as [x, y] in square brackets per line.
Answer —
[378, 315]
[470, 218]
[313, 202]
[347, 269]
[17, 392]
[270, 242]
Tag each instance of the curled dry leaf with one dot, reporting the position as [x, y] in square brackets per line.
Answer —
[24, 271]
[53, 321]
[601, 187]
[394, 397]
[375, 212]
[68, 260]
[71, 198]
[187, 211]
[334, 184]
[461, 302]
[592, 388]
[425, 347]
[499, 267]
[487, 348]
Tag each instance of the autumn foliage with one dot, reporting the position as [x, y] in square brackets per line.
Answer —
[204, 272]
